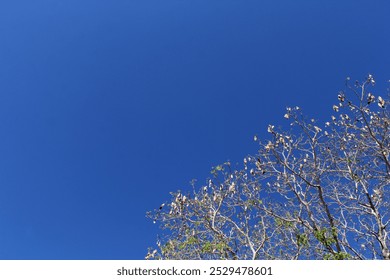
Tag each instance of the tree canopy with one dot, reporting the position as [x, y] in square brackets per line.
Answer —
[313, 191]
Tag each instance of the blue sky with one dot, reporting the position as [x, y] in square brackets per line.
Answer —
[107, 106]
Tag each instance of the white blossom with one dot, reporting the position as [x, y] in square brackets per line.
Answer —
[381, 102]
[370, 98]
[317, 129]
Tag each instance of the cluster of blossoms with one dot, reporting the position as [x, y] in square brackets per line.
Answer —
[312, 192]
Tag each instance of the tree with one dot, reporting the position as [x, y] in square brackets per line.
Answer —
[312, 192]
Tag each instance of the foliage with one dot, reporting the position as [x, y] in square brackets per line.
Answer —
[312, 192]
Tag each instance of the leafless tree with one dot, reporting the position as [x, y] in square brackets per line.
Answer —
[316, 191]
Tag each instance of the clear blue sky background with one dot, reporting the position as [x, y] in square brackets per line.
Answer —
[107, 106]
